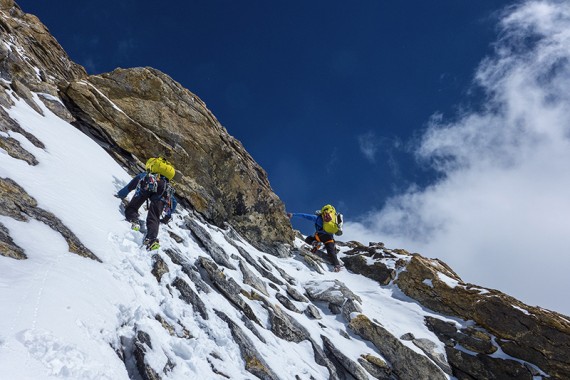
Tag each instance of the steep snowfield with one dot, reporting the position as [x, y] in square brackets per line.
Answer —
[62, 315]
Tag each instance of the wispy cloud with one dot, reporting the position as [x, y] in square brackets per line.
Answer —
[371, 145]
[332, 161]
[500, 215]
[368, 145]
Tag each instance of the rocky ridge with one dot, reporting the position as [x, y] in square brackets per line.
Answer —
[499, 321]
[139, 112]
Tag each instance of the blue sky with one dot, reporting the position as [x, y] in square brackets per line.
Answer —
[440, 127]
[327, 97]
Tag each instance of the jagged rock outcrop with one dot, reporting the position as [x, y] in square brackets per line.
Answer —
[376, 367]
[190, 270]
[536, 335]
[294, 293]
[19, 205]
[331, 291]
[285, 301]
[470, 338]
[159, 268]
[343, 362]
[191, 297]
[227, 286]
[13, 146]
[252, 279]
[265, 272]
[529, 333]
[31, 60]
[313, 312]
[430, 349]
[7, 246]
[254, 362]
[468, 367]
[406, 363]
[356, 262]
[206, 241]
[142, 345]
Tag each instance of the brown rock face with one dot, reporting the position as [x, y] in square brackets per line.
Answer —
[144, 112]
[6, 4]
[536, 335]
[406, 363]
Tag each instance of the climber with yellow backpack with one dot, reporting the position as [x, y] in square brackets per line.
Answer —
[152, 186]
[327, 223]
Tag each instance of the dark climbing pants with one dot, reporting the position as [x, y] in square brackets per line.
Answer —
[329, 242]
[156, 205]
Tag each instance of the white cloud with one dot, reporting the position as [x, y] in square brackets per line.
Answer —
[501, 214]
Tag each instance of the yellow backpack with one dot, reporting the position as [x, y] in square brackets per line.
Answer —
[159, 165]
[330, 220]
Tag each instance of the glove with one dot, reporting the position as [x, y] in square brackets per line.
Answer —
[165, 220]
[289, 215]
[121, 194]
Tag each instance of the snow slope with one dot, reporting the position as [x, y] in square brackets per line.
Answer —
[63, 315]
